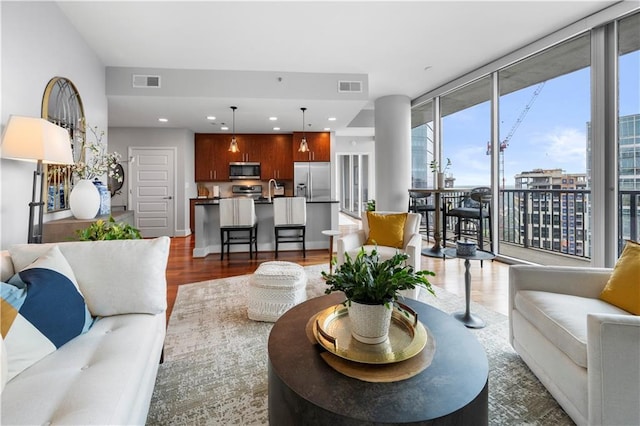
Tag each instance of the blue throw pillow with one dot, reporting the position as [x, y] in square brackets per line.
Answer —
[42, 309]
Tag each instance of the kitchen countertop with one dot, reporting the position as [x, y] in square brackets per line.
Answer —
[261, 200]
[322, 214]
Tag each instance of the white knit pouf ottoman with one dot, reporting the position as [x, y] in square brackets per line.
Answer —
[274, 288]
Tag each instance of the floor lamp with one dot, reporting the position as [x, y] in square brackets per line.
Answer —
[36, 139]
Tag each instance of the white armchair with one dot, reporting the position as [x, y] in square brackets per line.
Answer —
[585, 351]
[412, 244]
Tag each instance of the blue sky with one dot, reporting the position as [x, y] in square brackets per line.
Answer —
[552, 135]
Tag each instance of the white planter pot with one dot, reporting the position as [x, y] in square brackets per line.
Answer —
[369, 323]
[84, 200]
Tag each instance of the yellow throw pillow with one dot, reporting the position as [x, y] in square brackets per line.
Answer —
[386, 229]
[623, 288]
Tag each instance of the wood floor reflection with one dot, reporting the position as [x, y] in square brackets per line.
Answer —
[489, 284]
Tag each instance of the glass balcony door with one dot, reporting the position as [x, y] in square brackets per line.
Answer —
[354, 183]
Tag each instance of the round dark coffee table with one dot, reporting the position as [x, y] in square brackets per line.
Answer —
[305, 390]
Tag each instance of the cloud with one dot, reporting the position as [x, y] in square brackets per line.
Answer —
[565, 146]
[471, 166]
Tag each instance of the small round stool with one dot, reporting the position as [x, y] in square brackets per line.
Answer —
[331, 233]
[274, 288]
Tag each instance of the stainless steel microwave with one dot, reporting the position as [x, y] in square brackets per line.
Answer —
[244, 170]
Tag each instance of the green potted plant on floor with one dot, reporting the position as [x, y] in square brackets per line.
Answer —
[371, 286]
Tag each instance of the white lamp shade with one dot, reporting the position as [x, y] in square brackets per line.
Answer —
[33, 139]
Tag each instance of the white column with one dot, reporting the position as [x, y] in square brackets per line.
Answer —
[393, 152]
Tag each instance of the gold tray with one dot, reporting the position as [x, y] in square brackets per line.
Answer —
[407, 336]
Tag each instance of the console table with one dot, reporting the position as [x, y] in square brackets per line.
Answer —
[304, 389]
[61, 230]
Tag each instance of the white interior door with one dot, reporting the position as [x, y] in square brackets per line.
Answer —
[152, 190]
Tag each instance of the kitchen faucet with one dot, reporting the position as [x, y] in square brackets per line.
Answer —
[275, 186]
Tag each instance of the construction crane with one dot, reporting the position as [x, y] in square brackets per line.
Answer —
[505, 142]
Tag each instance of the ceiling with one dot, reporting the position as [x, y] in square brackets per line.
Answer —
[401, 48]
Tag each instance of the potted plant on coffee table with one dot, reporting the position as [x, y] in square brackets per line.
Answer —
[371, 286]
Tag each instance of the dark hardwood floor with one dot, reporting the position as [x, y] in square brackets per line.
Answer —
[489, 283]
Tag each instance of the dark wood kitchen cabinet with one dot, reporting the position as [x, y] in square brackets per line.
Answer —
[203, 158]
[249, 145]
[211, 163]
[319, 146]
[276, 161]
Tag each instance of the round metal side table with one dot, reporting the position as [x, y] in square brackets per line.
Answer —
[466, 317]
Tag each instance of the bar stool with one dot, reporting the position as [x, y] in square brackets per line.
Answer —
[238, 216]
[290, 221]
[418, 204]
[473, 210]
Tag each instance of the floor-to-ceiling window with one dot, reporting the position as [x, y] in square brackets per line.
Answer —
[543, 166]
[548, 194]
[629, 129]
[354, 183]
[466, 132]
[345, 182]
[422, 146]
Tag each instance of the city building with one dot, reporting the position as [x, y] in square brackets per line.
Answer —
[551, 212]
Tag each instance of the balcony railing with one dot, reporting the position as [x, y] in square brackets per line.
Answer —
[558, 220]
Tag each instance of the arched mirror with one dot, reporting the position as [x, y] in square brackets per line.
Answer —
[61, 104]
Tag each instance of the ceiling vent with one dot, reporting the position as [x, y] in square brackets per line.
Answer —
[152, 81]
[349, 87]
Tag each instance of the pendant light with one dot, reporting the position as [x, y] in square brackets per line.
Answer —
[303, 143]
[233, 147]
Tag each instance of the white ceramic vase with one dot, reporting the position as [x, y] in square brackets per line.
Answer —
[440, 177]
[369, 323]
[84, 200]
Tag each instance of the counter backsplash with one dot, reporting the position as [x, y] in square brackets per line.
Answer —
[223, 189]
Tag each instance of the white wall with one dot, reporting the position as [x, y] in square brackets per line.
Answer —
[38, 43]
[121, 138]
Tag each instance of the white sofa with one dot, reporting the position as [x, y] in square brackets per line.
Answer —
[107, 375]
[585, 351]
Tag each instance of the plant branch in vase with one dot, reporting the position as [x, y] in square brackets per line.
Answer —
[439, 171]
[94, 163]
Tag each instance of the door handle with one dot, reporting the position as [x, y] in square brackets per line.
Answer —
[168, 198]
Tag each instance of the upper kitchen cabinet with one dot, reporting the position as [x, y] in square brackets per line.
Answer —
[249, 145]
[319, 146]
[276, 160]
[211, 163]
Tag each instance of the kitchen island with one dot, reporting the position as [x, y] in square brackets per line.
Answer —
[322, 213]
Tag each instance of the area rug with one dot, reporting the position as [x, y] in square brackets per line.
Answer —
[215, 361]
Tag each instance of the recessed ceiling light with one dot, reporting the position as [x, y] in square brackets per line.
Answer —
[326, 129]
[224, 128]
[273, 118]
[332, 119]
[276, 128]
[210, 117]
[163, 120]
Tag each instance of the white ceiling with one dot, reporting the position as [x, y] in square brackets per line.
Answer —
[405, 48]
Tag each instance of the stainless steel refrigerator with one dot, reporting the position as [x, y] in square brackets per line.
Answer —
[312, 180]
